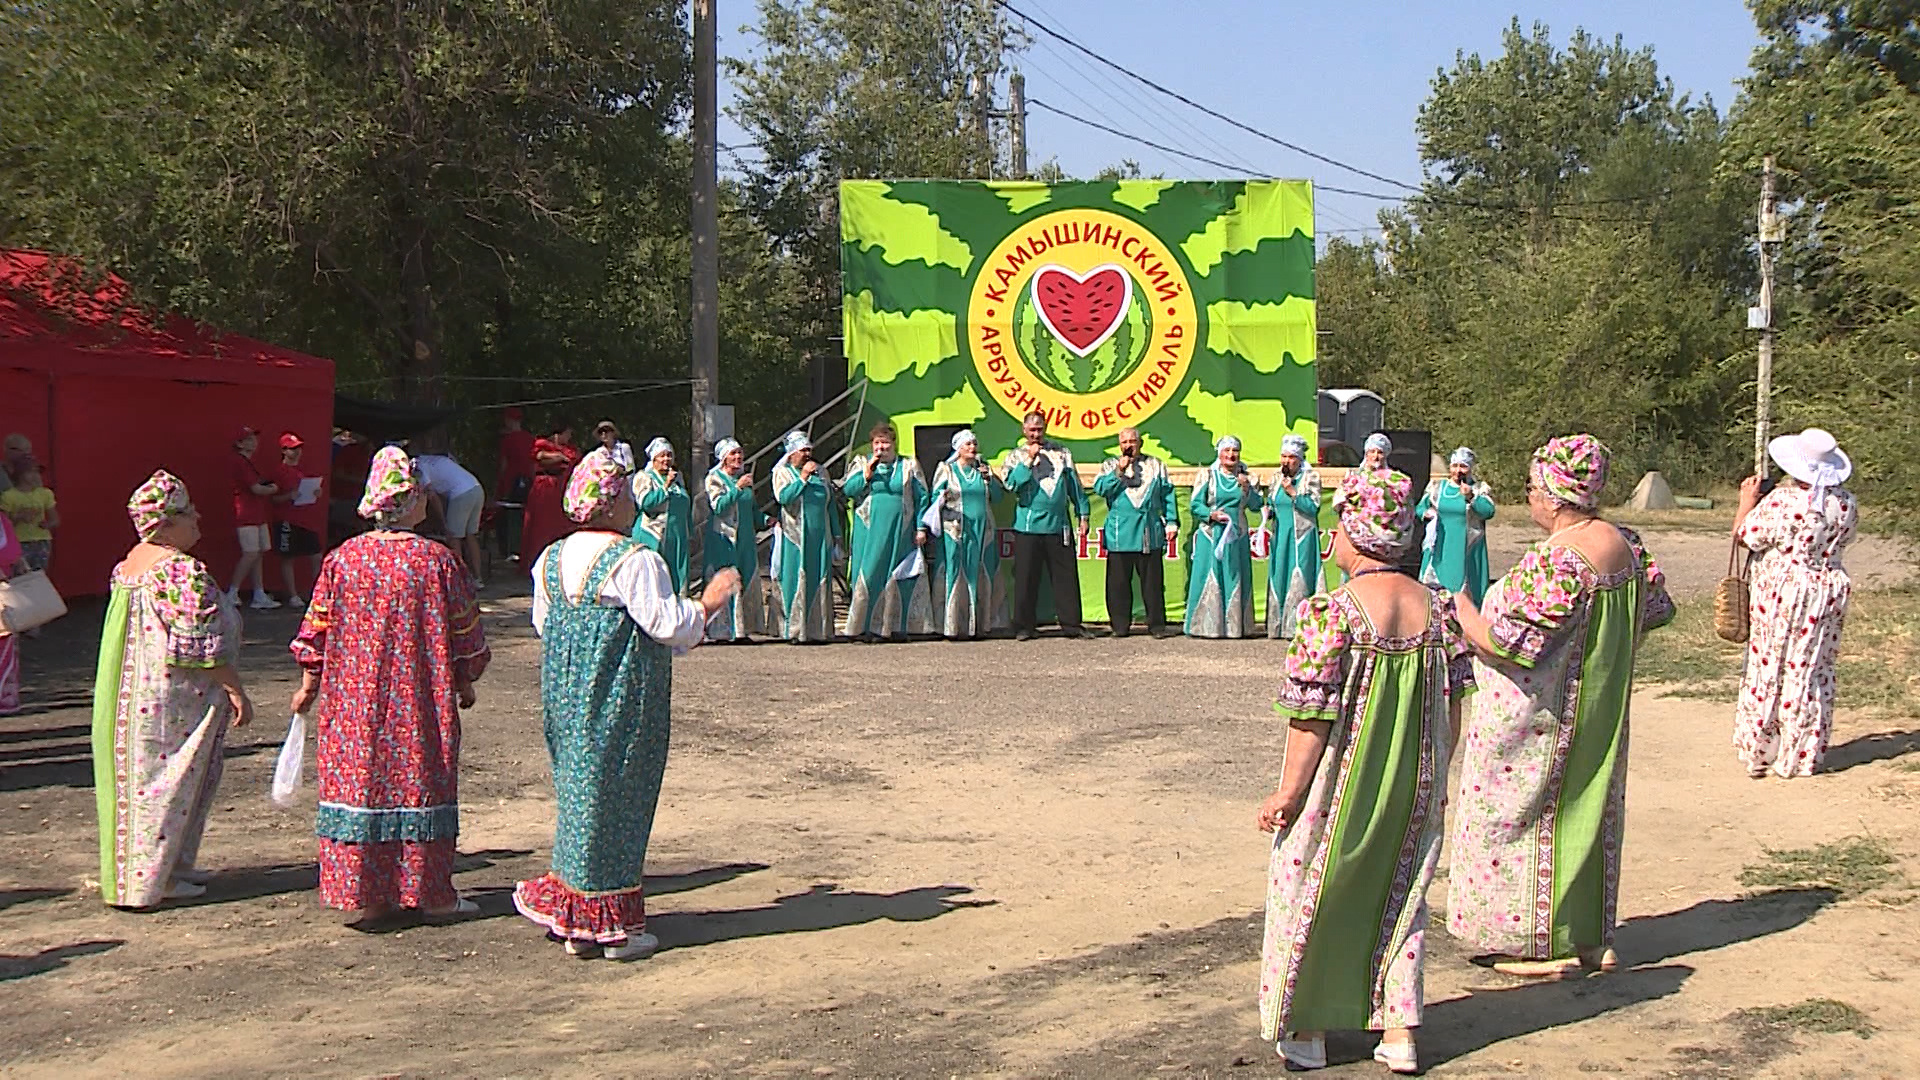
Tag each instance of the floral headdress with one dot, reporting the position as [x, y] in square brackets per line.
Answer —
[163, 496]
[393, 486]
[1572, 470]
[595, 484]
[1376, 511]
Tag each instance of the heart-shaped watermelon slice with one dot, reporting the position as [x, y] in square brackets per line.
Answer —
[1082, 310]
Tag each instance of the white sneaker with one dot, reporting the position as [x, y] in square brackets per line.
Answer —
[294, 602]
[1397, 1057]
[184, 890]
[637, 947]
[263, 602]
[1303, 1054]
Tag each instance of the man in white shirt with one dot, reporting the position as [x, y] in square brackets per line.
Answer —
[458, 494]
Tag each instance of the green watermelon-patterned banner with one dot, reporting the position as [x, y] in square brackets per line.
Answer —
[1184, 309]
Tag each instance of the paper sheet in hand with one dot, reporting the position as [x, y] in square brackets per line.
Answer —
[308, 492]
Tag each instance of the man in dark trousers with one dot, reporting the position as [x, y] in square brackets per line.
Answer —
[1047, 494]
[1142, 516]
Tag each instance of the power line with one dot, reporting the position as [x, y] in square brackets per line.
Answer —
[1190, 103]
[1298, 149]
[1036, 103]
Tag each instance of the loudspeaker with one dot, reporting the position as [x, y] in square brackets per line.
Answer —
[1413, 454]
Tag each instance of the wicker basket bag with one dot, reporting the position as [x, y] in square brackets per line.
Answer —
[1730, 616]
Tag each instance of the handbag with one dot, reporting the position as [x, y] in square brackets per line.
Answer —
[1731, 619]
[29, 601]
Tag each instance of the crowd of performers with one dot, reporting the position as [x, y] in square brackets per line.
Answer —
[1528, 678]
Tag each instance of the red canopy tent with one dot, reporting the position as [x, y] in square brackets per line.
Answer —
[108, 394]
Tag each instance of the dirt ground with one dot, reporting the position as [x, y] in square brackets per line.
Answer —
[932, 860]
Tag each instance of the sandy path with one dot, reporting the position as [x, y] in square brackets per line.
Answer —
[994, 860]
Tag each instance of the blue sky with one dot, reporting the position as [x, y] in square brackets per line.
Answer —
[1345, 81]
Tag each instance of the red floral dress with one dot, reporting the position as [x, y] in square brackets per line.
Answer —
[392, 623]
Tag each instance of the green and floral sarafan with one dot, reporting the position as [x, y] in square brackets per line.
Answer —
[1182, 308]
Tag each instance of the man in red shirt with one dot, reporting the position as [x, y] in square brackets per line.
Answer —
[253, 492]
[515, 480]
[301, 516]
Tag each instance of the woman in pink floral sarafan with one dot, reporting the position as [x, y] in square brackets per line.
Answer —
[1373, 683]
[1798, 604]
[1535, 870]
[165, 693]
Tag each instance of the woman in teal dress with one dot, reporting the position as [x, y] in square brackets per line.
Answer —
[964, 490]
[610, 623]
[1371, 695]
[1457, 510]
[1293, 556]
[729, 540]
[666, 512]
[803, 544]
[886, 571]
[1220, 583]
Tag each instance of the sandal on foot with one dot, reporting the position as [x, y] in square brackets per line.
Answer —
[463, 908]
[583, 950]
[1603, 960]
[1302, 1055]
[1544, 970]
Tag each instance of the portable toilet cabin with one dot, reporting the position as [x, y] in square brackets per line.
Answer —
[1347, 417]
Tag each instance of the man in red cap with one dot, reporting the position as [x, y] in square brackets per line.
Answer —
[515, 480]
[253, 492]
[301, 514]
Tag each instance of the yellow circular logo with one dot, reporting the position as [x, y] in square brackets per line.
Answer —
[1085, 316]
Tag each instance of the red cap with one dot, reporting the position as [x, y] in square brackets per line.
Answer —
[290, 441]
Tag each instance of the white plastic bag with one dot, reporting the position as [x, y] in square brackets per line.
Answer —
[293, 755]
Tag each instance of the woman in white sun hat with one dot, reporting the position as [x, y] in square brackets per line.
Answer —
[1798, 603]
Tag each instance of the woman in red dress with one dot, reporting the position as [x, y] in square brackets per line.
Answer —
[390, 648]
[546, 521]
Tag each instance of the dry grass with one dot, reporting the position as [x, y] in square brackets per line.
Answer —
[1879, 655]
[1815, 1015]
[1687, 659]
[1850, 866]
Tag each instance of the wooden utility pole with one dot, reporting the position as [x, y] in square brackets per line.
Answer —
[706, 240]
[983, 121]
[1017, 122]
[1770, 236]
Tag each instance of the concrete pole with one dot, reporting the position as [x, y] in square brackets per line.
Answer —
[706, 240]
[1763, 385]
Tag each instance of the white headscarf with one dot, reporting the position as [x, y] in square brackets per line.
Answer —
[658, 445]
[724, 447]
[1464, 456]
[796, 441]
[1294, 444]
[1227, 442]
[1379, 441]
[960, 439]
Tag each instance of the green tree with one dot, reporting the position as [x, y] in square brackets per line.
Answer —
[848, 89]
[1835, 96]
[384, 184]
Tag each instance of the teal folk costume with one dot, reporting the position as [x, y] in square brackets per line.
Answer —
[728, 540]
[803, 549]
[666, 516]
[1293, 555]
[1456, 548]
[1220, 584]
[609, 621]
[961, 516]
[885, 569]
